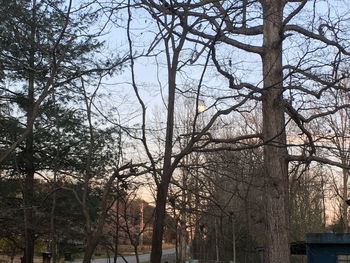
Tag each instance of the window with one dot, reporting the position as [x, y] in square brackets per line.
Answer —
[343, 259]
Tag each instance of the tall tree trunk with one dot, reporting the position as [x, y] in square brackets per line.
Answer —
[162, 191]
[275, 151]
[168, 169]
[28, 193]
[344, 204]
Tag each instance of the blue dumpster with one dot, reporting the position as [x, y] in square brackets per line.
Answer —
[328, 248]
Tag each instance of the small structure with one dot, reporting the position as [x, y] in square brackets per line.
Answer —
[328, 248]
[320, 248]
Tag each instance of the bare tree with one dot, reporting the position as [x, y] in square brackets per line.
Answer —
[332, 133]
[308, 193]
[267, 30]
[176, 58]
[99, 173]
[45, 48]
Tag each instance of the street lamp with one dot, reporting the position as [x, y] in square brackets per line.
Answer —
[201, 108]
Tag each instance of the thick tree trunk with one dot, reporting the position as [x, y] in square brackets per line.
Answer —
[89, 249]
[163, 186]
[158, 224]
[162, 191]
[275, 151]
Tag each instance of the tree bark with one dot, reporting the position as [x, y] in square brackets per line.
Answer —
[89, 251]
[168, 166]
[28, 191]
[344, 204]
[159, 218]
[162, 191]
[275, 151]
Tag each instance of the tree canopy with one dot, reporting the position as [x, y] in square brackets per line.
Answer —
[219, 108]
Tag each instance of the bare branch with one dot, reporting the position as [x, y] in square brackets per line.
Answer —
[312, 35]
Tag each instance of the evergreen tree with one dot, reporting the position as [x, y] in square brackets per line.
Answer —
[45, 49]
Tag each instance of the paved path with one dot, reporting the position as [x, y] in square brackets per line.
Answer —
[168, 255]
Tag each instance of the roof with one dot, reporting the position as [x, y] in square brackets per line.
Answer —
[327, 238]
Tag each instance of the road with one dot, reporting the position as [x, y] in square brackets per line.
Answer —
[168, 255]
